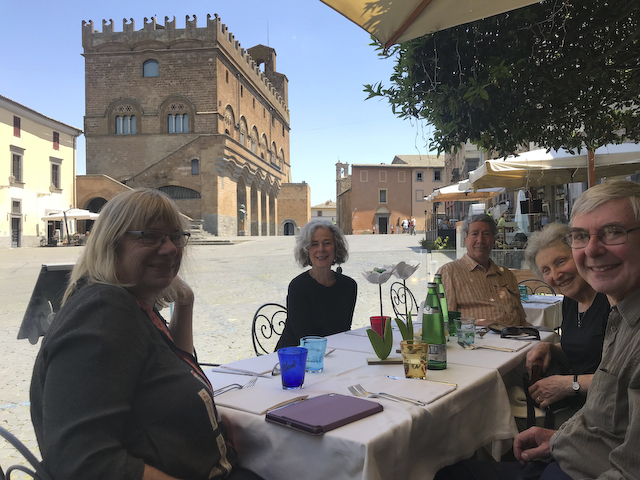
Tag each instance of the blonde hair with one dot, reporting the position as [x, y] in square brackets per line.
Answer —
[130, 210]
[604, 192]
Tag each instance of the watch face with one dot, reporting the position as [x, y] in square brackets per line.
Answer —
[575, 386]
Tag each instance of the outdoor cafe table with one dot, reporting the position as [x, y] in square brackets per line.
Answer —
[400, 442]
[544, 310]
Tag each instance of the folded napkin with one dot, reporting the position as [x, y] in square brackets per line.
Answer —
[374, 379]
[258, 400]
[258, 365]
[505, 343]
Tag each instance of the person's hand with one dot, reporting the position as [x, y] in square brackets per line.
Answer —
[483, 322]
[181, 293]
[540, 354]
[531, 444]
[551, 389]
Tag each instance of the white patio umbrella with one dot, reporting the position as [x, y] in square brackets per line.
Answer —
[459, 193]
[395, 22]
[539, 167]
[71, 214]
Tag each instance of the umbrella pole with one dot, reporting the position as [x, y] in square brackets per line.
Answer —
[380, 288]
[66, 227]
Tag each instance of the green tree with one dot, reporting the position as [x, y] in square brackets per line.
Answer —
[560, 73]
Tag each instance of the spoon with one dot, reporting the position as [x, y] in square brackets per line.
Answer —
[276, 367]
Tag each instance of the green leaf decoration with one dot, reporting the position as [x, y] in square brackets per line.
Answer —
[381, 346]
[406, 329]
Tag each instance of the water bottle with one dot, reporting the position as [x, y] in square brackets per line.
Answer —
[449, 327]
[433, 330]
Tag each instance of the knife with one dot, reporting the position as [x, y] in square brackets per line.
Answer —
[434, 381]
[238, 372]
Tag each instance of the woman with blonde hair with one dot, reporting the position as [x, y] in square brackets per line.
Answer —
[116, 392]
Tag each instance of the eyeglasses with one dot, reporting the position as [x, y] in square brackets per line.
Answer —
[609, 235]
[153, 238]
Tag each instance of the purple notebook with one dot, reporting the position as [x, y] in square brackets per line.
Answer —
[321, 414]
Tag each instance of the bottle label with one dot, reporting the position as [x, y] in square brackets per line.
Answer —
[437, 353]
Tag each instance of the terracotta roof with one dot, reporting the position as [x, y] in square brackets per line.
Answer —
[327, 204]
[419, 160]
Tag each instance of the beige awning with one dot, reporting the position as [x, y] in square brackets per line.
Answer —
[402, 20]
[538, 167]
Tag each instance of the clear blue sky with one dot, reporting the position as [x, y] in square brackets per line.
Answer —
[325, 57]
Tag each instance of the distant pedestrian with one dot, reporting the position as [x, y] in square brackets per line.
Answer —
[413, 225]
[405, 226]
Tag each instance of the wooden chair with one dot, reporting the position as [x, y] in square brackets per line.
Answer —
[537, 287]
[267, 327]
[403, 301]
[38, 473]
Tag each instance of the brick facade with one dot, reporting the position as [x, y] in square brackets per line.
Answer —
[229, 120]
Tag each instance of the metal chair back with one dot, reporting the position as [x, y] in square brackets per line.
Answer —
[537, 287]
[267, 327]
[403, 301]
[38, 473]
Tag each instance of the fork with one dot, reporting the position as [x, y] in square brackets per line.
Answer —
[359, 391]
[234, 386]
[469, 346]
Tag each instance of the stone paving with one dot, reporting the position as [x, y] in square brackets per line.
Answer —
[230, 283]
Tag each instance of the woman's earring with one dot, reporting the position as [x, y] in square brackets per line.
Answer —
[339, 269]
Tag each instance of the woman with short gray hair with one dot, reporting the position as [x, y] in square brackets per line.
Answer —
[320, 301]
[584, 319]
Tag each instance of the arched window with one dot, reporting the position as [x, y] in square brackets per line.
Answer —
[125, 124]
[195, 167]
[151, 68]
[179, 193]
[178, 122]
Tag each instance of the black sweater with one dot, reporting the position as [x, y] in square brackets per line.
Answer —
[313, 309]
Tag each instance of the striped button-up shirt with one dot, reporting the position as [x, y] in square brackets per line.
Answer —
[484, 294]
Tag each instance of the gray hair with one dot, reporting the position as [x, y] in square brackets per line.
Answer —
[303, 242]
[549, 236]
[129, 210]
[604, 192]
[483, 217]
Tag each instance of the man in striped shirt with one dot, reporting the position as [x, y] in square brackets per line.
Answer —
[475, 286]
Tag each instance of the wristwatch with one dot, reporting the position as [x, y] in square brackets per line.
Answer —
[576, 385]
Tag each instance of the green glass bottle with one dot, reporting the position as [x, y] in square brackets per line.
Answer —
[433, 330]
[449, 327]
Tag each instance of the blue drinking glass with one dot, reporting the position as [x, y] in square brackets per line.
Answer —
[293, 361]
[315, 357]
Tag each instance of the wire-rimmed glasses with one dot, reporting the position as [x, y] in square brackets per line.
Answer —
[154, 238]
[609, 235]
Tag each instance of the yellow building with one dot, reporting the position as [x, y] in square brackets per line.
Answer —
[37, 176]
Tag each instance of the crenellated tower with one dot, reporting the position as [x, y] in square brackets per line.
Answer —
[189, 111]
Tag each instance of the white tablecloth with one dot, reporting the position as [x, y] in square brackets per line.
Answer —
[544, 310]
[400, 442]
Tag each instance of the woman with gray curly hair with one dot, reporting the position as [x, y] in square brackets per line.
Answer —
[320, 301]
[584, 319]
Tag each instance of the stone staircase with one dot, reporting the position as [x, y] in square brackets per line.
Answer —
[200, 237]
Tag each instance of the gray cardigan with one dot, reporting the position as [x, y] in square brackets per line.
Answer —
[109, 394]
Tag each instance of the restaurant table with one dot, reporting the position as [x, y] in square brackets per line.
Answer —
[544, 310]
[400, 442]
